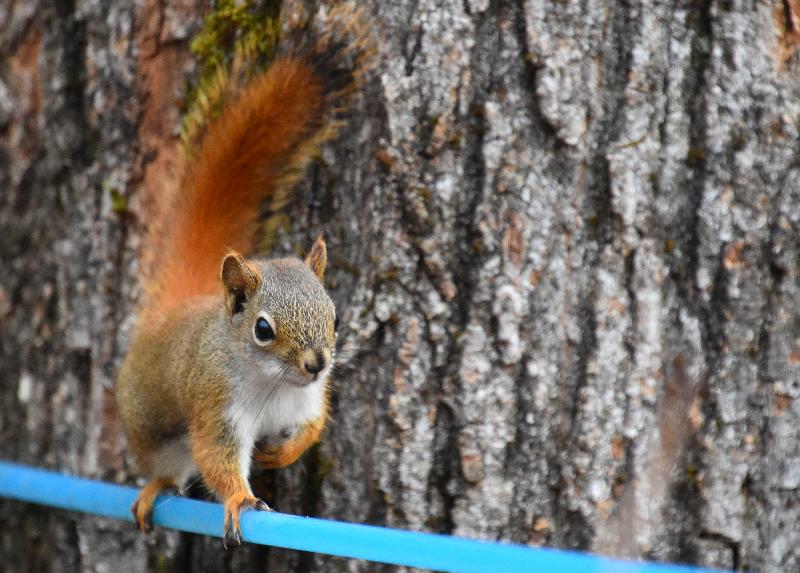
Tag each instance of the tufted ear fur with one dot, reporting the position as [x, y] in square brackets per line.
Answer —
[240, 279]
[317, 258]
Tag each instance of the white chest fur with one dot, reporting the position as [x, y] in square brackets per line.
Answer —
[263, 404]
[258, 412]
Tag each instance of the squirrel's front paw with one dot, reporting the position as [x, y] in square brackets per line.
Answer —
[268, 456]
[273, 457]
[232, 531]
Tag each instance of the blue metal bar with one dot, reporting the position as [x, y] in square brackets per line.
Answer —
[422, 550]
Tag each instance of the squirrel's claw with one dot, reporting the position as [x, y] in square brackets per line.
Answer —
[261, 506]
[233, 536]
[143, 516]
[232, 531]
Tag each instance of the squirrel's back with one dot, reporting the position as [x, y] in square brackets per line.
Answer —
[251, 153]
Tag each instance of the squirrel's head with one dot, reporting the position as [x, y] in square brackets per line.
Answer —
[280, 307]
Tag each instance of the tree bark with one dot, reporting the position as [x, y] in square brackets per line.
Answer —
[564, 247]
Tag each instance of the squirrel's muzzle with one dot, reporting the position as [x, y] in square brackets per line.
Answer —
[315, 361]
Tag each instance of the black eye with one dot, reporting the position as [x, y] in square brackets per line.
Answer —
[336, 324]
[263, 330]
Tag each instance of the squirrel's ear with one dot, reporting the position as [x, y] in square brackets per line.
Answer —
[317, 257]
[240, 280]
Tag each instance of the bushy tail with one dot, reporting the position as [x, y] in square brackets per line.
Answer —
[252, 152]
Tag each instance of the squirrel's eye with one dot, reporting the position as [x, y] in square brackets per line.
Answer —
[336, 324]
[263, 331]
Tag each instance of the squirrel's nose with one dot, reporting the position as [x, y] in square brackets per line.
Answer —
[315, 366]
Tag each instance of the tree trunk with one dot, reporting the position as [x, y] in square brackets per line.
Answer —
[564, 246]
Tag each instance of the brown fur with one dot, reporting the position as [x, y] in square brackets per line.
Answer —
[178, 377]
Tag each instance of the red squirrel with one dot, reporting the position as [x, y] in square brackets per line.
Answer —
[231, 350]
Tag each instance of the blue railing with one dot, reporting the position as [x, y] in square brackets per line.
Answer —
[428, 551]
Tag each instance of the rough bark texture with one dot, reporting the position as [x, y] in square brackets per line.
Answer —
[564, 242]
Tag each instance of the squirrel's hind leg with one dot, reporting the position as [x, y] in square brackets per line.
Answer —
[171, 464]
[142, 508]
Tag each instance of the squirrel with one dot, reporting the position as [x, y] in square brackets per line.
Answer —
[230, 352]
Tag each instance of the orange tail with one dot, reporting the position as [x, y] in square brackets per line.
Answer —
[251, 153]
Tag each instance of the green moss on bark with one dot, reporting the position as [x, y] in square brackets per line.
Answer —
[238, 39]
